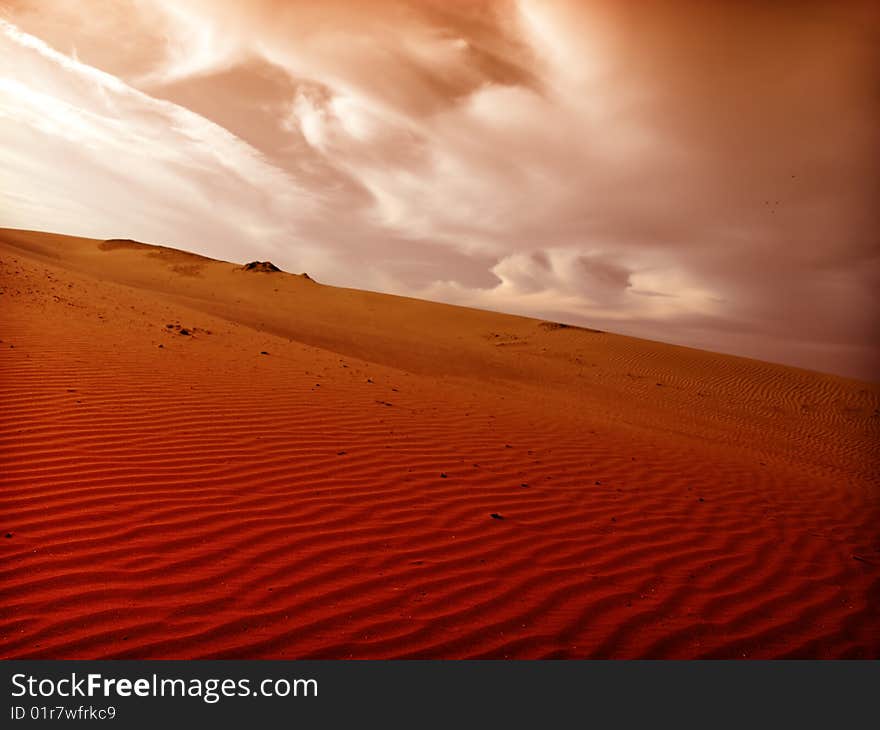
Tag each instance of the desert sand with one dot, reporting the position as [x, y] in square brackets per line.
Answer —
[203, 461]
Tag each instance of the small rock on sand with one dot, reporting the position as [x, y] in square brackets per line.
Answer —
[264, 266]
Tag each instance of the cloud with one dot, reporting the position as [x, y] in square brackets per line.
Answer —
[105, 158]
[694, 172]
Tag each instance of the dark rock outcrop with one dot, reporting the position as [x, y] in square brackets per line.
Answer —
[265, 266]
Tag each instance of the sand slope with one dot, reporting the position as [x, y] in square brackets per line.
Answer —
[185, 495]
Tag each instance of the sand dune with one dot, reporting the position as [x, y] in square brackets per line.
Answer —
[204, 461]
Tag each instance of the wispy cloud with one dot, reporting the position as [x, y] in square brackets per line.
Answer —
[106, 159]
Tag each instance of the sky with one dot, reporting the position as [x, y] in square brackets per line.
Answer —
[702, 173]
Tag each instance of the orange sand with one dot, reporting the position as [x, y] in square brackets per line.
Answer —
[167, 495]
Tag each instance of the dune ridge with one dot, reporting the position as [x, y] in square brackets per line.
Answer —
[294, 470]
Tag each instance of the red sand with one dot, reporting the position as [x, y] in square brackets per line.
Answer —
[185, 496]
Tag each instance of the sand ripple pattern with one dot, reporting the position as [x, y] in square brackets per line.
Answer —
[204, 500]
